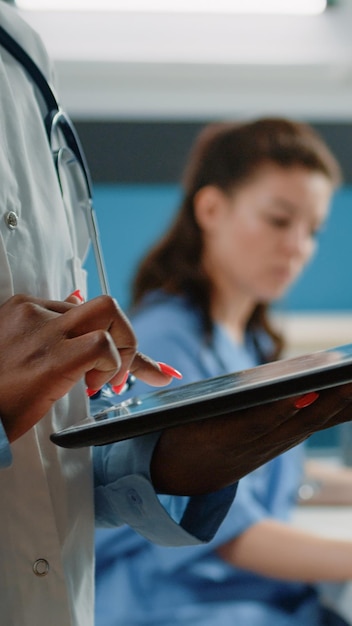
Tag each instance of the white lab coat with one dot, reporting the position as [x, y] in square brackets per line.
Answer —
[46, 498]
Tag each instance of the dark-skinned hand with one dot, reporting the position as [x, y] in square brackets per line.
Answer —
[207, 455]
[48, 346]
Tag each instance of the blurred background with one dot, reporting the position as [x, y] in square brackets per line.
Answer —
[139, 81]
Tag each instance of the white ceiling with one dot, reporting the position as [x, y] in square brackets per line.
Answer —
[128, 66]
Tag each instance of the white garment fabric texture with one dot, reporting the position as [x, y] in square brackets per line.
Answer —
[46, 493]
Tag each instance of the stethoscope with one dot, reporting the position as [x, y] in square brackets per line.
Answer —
[70, 157]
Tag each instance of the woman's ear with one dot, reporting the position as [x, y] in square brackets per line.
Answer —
[208, 205]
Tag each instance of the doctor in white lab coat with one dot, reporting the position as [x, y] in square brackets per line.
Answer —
[46, 492]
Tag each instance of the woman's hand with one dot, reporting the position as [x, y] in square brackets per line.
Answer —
[48, 346]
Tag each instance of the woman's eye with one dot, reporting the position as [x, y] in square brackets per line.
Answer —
[278, 221]
[284, 223]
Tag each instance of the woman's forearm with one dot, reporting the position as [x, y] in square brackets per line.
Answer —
[278, 550]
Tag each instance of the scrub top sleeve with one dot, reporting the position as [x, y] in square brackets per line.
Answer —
[5, 449]
[130, 498]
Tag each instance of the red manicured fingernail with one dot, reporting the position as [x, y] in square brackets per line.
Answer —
[170, 371]
[118, 388]
[91, 392]
[78, 295]
[306, 400]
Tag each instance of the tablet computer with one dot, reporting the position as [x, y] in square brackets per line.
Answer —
[212, 397]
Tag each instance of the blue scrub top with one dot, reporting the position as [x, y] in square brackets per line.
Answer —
[139, 583]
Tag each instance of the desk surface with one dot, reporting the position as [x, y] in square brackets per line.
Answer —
[331, 521]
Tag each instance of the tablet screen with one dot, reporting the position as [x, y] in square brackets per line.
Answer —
[211, 397]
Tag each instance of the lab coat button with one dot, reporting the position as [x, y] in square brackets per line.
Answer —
[41, 567]
[11, 220]
[134, 497]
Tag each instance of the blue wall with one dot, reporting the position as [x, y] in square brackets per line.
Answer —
[131, 218]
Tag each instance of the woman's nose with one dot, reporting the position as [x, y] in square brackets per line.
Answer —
[299, 242]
